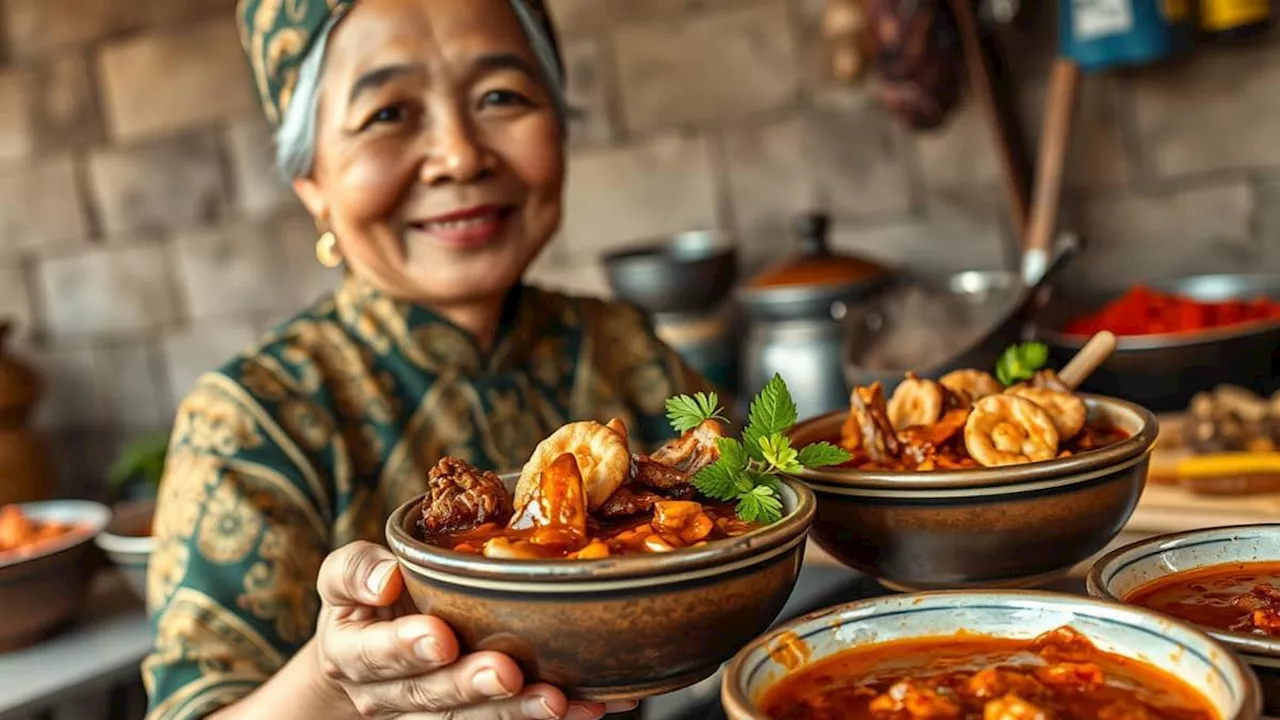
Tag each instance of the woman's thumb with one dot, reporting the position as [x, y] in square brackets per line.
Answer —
[361, 573]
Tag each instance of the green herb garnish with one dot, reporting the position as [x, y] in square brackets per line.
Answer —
[687, 413]
[747, 469]
[1020, 362]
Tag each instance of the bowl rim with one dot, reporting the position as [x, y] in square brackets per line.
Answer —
[737, 704]
[114, 542]
[723, 556]
[1136, 445]
[95, 514]
[1097, 587]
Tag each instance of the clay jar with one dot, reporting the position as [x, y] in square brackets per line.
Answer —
[26, 468]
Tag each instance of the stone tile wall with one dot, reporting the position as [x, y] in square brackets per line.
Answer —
[144, 236]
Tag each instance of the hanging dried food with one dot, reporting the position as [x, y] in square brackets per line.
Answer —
[919, 57]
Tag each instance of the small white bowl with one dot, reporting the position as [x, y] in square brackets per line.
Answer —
[1177, 649]
[128, 551]
[1117, 574]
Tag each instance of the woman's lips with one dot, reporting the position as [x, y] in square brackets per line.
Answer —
[470, 228]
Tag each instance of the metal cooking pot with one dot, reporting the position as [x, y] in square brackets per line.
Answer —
[795, 314]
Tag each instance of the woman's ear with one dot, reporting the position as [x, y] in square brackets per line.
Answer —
[312, 198]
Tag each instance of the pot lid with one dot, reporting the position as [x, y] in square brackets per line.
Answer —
[814, 265]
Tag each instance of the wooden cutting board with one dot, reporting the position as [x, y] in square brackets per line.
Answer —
[1167, 505]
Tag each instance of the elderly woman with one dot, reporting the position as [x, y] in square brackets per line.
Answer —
[426, 137]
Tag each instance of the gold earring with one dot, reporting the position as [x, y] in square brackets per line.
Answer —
[327, 250]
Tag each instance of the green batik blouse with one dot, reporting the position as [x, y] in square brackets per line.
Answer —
[309, 440]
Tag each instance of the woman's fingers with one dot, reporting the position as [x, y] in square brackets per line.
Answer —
[379, 651]
[359, 574]
[480, 678]
[620, 706]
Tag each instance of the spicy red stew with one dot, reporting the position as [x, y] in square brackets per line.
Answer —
[1058, 676]
[1236, 597]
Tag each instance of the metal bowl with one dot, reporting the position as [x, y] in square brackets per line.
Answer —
[1115, 576]
[1140, 635]
[1008, 527]
[684, 273]
[984, 293]
[617, 628]
[1163, 372]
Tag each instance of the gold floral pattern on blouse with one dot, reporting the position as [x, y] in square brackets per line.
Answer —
[310, 440]
[230, 526]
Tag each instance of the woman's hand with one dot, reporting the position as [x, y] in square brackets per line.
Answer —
[392, 661]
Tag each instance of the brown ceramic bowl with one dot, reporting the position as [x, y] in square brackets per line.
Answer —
[39, 592]
[1134, 633]
[1009, 527]
[620, 628]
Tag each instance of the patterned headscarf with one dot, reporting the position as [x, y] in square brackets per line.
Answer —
[278, 34]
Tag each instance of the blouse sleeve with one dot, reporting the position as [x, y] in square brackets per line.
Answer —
[240, 530]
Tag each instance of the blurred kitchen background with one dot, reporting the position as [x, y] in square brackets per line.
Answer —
[144, 235]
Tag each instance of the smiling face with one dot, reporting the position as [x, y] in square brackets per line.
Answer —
[439, 162]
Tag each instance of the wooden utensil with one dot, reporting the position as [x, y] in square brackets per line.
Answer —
[1090, 358]
[1055, 139]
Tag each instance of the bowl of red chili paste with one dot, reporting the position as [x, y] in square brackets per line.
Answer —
[1175, 338]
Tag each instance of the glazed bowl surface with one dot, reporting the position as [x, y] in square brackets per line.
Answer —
[127, 543]
[41, 591]
[1115, 576]
[1176, 649]
[1007, 527]
[618, 628]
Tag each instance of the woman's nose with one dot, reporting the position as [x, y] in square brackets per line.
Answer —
[454, 154]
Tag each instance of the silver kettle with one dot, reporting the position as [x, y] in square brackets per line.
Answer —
[795, 312]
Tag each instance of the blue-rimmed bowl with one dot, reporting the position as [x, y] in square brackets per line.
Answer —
[619, 628]
[1005, 527]
[1150, 638]
[1118, 574]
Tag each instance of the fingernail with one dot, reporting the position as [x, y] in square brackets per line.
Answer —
[428, 649]
[621, 706]
[536, 706]
[378, 577]
[488, 683]
[581, 713]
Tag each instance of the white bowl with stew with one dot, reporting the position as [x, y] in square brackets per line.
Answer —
[1203, 571]
[616, 628]
[868, 646]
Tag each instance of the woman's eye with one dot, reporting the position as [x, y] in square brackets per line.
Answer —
[504, 98]
[392, 114]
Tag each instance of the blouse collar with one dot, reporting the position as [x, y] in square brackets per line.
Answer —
[432, 340]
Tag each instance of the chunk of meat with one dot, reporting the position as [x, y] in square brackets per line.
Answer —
[685, 520]
[692, 451]
[1126, 710]
[994, 682]
[870, 418]
[1007, 430]
[1063, 644]
[650, 473]
[627, 501]
[1072, 675]
[1012, 707]
[461, 498]
[922, 441]
[556, 509]
[1263, 602]
[972, 384]
[916, 700]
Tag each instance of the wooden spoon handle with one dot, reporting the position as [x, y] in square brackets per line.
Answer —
[1091, 356]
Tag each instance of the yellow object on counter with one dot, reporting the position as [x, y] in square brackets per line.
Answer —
[1218, 465]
